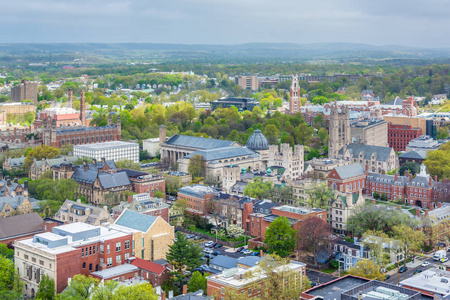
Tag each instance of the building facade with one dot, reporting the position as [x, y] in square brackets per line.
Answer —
[339, 132]
[75, 211]
[401, 135]
[247, 82]
[26, 90]
[114, 150]
[376, 157]
[374, 132]
[144, 204]
[347, 179]
[197, 198]
[341, 208]
[294, 101]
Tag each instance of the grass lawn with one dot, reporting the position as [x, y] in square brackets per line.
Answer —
[329, 270]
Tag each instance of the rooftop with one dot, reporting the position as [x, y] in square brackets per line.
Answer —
[115, 271]
[106, 145]
[297, 210]
[198, 142]
[135, 220]
[197, 189]
[432, 280]
[333, 289]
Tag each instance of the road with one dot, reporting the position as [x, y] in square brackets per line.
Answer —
[412, 268]
[319, 277]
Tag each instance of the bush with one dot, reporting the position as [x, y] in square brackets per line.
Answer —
[334, 264]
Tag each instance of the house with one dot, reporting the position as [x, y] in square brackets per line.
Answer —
[417, 156]
[347, 178]
[247, 262]
[197, 198]
[75, 211]
[144, 204]
[152, 236]
[341, 208]
[349, 254]
[20, 227]
[146, 183]
[14, 164]
[222, 262]
[155, 273]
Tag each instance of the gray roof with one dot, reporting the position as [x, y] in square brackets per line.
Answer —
[222, 153]
[197, 142]
[257, 141]
[15, 201]
[17, 162]
[135, 220]
[86, 176]
[20, 225]
[111, 180]
[420, 154]
[223, 261]
[239, 187]
[382, 153]
[421, 181]
[116, 271]
[249, 261]
[384, 178]
[190, 296]
[56, 161]
[350, 170]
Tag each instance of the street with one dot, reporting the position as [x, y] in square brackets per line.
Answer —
[319, 277]
[412, 267]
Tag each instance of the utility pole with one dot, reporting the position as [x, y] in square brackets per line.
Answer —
[398, 273]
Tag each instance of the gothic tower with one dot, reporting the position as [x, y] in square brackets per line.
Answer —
[339, 130]
[294, 105]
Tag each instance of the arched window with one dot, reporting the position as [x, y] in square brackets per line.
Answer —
[90, 267]
[84, 265]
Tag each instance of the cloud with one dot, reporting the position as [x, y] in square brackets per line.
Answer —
[412, 23]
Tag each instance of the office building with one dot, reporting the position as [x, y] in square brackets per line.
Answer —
[115, 150]
[247, 82]
[26, 90]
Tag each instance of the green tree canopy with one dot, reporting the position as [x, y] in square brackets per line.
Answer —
[197, 282]
[257, 188]
[280, 237]
[46, 290]
[197, 166]
[40, 152]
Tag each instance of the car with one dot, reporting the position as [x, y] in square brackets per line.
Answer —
[216, 253]
[256, 254]
[199, 269]
[209, 251]
[387, 277]
[208, 256]
[247, 252]
[425, 264]
[209, 244]
[417, 271]
[444, 259]
[214, 245]
[403, 269]
[218, 246]
[197, 237]
[240, 249]
[313, 284]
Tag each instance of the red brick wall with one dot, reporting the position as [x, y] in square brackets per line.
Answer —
[246, 211]
[68, 264]
[400, 135]
[149, 186]
[197, 204]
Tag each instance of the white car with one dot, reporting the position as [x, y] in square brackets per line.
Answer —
[444, 259]
[209, 251]
[209, 244]
[425, 264]
[246, 252]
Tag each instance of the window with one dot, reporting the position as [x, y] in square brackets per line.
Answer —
[101, 248]
[127, 255]
[82, 252]
[222, 290]
[127, 245]
[90, 267]
[118, 247]
[109, 262]
[107, 249]
[84, 265]
[142, 242]
[25, 256]
[118, 259]
[41, 262]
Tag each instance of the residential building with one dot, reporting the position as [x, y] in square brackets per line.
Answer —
[239, 281]
[26, 90]
[152, 236]
[393, 187]
[401, 135]
[79, 247]
[12, 205]
[222, 262]
[155, 273]
[341, 208]
[247, 262]
[75, 211]
[115, 150]
[431, 282]
[20, 227]
[376, 157]
[423, 142]
[348, 178]
[197, 198]
[39, 167]
[240, 103]
[349, 254]
[294, 100]
[14, 164]
[247, 82]
[339, 132]
[374, 132]
[144, 204]
[146, 183]
[420, 189]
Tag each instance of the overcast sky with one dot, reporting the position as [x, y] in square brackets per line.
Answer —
[422, 23]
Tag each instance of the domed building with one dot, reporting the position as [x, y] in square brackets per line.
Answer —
[257, 141]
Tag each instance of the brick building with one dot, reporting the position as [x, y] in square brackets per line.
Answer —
[69, 250]
[400, 135]
[197, 198]
[26, 90]
[420, 189]
[144, 204]
[348, 178]
[146, 183]
[393, 187]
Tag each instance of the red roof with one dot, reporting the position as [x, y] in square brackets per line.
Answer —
[147, 265]
[67, 117]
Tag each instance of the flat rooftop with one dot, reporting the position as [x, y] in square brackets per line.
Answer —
[297, 210]
[432, 280]
[116, 271]
[333, 289]
[106, 145]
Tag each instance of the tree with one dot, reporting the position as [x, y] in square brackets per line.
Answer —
[197, 282]
[173, 184]
[235, 231]
[319, 196]
[257, 188]
[143, 291]
[10, 284]
[303, 134]
[40, 152]
[411, 166]
[272, 134]
[314, 235]
[378, 242]
[128, 164]
[46, 290]
[410, 240]
[197, 166]
[438, 162]
[280, 237]
[183, 254]
[80, 287]
[367, 269]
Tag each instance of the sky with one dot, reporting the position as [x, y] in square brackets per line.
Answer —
[417, 23]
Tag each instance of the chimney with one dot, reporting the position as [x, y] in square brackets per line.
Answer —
[79, 200]
[16, 180]
[163, 295]
[426, 212]
[431, 181]
[184, 289]
[417, 212]
[70, 98]
[162, 134]
[25, 185]
[396, 176]
[82, 108]
[103, 160]
[85, 165]
[94, 161]
[367, 169]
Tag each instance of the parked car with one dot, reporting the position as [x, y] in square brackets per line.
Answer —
[240, 249]
[216, 253]
[214, 245]
[209, 244]
[256, 254]
[218, 246]
[417, 271]
[387, 277]
[209, 251]
[247, 252]
[313, 284]
[444, 259]
[199, 269]
[425, 264]
[403, 269]
[208, 256]
[197, 237]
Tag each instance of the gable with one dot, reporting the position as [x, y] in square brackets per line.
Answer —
[334, 175]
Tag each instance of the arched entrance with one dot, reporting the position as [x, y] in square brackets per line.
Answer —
[32, 293]
[419, 203]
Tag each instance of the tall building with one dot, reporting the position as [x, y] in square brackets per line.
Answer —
[25, 90]
[295, 96]
[339, 130]
[114, 150]
[400, 135]
[374, 133]
[247, 82]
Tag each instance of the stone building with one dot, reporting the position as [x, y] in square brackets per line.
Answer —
[14, 164]
[341, 208]
[152, 236]
[39, 167]
[294, 101]
[376, 157]
[339, 132]
[374, 132]
[323, 166]
[75, 211]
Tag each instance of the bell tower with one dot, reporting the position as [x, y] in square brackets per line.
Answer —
[294, 104]
[340, 135]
